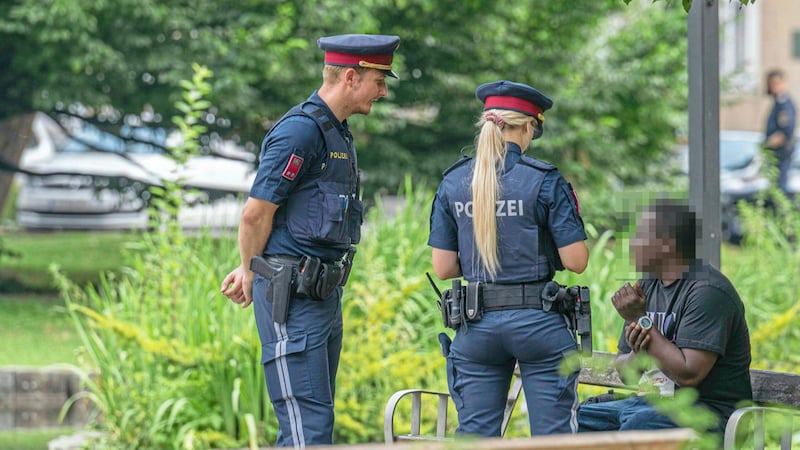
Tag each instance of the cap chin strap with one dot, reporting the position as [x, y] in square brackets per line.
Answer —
[370, 65]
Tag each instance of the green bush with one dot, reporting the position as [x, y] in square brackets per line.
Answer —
[764, 271]
[391, 319]
[177, 365]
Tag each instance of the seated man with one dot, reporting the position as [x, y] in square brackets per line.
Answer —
[687, 316]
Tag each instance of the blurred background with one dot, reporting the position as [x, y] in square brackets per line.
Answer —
[129, 138]
[617, 74]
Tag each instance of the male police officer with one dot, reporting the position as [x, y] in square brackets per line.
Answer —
[303, 215]
[780, 126]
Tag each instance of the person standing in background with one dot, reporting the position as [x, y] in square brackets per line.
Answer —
[780, 126]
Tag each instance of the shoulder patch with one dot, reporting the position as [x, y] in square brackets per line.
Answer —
[535, 163]
[292, 167]
[784, 119]
[457, 164]
[575, 198]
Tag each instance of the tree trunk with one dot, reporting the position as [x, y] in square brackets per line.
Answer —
[15, 133]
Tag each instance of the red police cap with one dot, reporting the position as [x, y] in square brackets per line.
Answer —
[513, 96]
[373, 51]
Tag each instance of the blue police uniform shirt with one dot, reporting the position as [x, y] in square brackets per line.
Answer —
[782, 118]
[554, 202]
[296, 135]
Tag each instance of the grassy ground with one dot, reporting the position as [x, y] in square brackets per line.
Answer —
[39, 329]
[30, 311]
[81, 255]
[31, 439]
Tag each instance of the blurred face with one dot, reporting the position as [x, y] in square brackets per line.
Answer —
[648, 250]
[366, 87]
[775, 85]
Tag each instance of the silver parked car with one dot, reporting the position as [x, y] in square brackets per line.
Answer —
[742, 176]
[90, 179]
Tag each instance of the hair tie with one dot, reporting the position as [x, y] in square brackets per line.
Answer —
[491, 116]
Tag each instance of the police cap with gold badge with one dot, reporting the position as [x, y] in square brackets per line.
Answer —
[518, 97]
[372, 51]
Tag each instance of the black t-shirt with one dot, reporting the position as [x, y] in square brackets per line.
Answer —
[702, 310]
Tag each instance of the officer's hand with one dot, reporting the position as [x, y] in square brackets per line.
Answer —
[629, 302]
[247, 287]
[638, 338]
[237, 287]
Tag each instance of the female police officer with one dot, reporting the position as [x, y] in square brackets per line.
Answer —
[506, 222]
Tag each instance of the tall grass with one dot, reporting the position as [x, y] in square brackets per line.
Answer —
[765, 271]
[178, 366]
[391, 319]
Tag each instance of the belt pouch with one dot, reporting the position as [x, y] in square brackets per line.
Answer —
[473, 305]
[329, 277]
[307, 275]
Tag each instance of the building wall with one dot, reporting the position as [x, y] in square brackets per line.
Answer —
[779, 21]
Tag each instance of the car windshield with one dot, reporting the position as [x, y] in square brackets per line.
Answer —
[138, 140]
[735, 154]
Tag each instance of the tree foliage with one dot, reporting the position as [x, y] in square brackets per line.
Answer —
[687, 4]
[616, 73]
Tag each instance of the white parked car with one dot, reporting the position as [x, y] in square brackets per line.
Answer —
[89, 179]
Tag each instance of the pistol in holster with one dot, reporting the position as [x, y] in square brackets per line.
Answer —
[575, 303]
[280, 276]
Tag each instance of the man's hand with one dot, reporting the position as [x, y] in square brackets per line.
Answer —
[638, 338]
[238, 286]
[629, 302]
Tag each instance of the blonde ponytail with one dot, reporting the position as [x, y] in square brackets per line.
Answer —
[489, 158]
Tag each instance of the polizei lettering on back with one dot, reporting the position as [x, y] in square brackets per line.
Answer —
[505, 208]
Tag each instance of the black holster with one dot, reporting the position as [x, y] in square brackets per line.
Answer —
[280, 277]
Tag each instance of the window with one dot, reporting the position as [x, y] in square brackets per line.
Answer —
[739, 42]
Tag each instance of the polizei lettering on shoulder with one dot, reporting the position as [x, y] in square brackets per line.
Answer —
[504, 208]
[338, 155]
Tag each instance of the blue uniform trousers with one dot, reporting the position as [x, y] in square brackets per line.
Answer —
[481, 362]
[300, 359]
[784, 157]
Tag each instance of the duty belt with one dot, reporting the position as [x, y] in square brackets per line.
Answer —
[284, 259]
[289, 259]
[498, 297]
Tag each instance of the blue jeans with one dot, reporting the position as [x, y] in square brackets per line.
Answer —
[633, 413]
